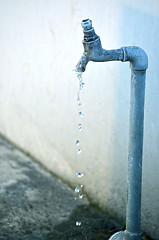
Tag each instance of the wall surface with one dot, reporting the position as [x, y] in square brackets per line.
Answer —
[40, 44]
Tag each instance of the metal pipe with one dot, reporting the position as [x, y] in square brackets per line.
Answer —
[134, 180]
[93, 51]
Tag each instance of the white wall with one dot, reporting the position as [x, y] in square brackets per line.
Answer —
[40, 44]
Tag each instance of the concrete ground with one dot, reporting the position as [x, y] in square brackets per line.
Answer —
[35, 205]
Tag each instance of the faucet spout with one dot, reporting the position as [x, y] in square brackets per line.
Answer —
[81, 65]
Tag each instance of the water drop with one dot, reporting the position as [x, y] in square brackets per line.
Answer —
[79, 175]
[81, 84]
[80, 87]
[81, 114]
[78, 98]
[80, 127]
[79, 151]
[80, 196]
[77, 142]
[79, 75]
[79, 103]
[82, 186]
[78, 223]
[77, 190]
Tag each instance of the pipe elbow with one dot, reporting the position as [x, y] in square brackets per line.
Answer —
[137, 57]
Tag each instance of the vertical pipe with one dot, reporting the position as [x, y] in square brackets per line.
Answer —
[134, 181]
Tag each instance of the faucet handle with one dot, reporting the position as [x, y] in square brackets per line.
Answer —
[86, 24]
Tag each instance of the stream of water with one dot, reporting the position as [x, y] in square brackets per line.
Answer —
[79, 174]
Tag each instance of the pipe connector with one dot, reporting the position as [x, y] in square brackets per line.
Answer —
[137, 57]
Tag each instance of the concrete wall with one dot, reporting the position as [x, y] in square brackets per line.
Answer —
[40, 44]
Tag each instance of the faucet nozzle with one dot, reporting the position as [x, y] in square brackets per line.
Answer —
[86, 24]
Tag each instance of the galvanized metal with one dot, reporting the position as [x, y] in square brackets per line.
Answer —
[135, 150]
[137, 57]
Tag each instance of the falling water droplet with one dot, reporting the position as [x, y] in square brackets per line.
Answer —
[81, 114]
[81, 84]
[79, 151]
[80, 196]
[79, 175]
[77, 142]
[79, 103]
[80, 127]
[77, 190]
[82, 186]
[78, 223]
[78, 99]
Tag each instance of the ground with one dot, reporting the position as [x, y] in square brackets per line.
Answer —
[35, 205]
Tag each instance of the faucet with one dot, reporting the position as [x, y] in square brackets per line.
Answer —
[138, 59]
